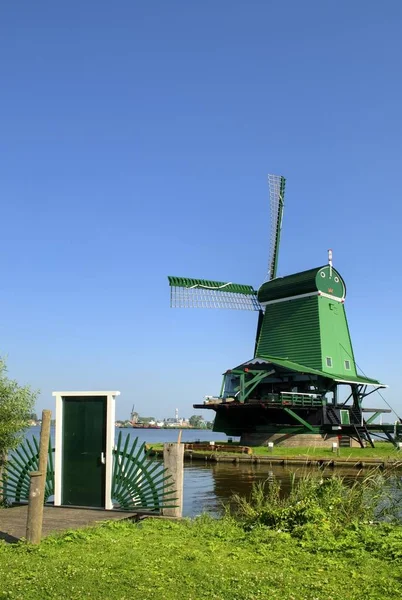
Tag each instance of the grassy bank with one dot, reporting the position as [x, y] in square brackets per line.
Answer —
[321, 542]
[203, 559]
[383, 450]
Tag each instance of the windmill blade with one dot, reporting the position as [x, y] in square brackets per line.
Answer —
[201, 293]
[277, 196]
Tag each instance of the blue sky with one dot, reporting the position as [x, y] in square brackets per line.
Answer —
[135, 142]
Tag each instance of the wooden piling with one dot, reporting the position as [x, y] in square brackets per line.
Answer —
[173, 458]
[35, 508]
[44, 443]
[38, 483]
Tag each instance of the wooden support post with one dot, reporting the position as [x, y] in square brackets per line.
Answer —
[35, 509]
[38, 483]
[44, 445]
[173, 458]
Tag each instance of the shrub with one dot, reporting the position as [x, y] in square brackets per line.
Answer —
[318, 504]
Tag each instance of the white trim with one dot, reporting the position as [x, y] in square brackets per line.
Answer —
[379, 385]
[58, 449]
[318, 293]
[110, 430]
[94, 393]
[110, 420]
[209, 287]
[336, 298]
[301, 394]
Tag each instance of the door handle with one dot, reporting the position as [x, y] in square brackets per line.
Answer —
[102, 458]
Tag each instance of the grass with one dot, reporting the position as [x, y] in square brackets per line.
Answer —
[382, 450]
[323, 541]
[202, 559]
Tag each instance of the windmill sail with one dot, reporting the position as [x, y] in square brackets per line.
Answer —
[277, 196]
[201, 293]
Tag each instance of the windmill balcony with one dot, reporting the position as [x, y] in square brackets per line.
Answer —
[294, 399]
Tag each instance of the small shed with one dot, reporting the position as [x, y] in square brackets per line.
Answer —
[84, 441]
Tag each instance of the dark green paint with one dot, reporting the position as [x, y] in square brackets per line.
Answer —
[330, 282]
[23, 461]
[84, 440]
[305, 282]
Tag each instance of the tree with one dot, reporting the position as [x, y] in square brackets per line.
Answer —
[16, 406]
[197, 422]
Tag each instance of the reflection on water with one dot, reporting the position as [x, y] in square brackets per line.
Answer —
[209, 486]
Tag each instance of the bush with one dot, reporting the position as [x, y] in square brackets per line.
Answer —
[16, 405]
[317, 504]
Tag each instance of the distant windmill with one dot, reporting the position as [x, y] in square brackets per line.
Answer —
[303, 352]
[134, 416]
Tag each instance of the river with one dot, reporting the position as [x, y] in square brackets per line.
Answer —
[208, 486]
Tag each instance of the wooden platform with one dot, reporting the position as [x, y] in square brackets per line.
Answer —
[13, 520]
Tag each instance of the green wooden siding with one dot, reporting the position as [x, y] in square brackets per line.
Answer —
[335, 338]
[291, 330]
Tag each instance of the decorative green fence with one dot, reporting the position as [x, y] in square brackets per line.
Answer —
[139, 481]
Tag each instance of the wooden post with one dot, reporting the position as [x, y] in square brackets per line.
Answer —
[44, 442]
[35, 508]
[44, 446]
[173, 455]
[38, 483]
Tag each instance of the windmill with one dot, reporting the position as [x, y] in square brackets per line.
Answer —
[293, 389]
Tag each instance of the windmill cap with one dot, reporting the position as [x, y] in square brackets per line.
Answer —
[319, 280]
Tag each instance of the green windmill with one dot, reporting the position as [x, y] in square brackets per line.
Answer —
[302, 385]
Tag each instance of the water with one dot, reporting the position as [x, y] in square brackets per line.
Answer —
[209, 486]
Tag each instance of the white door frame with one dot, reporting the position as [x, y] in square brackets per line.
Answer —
[110, 429]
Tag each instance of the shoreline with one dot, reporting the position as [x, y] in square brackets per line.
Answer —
[283, 460]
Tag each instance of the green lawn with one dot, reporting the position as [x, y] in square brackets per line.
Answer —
[382, 450]
[202, 559]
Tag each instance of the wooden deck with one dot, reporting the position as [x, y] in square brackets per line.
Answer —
[13, 520]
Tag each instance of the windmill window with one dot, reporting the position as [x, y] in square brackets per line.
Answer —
[336, 279]
[329, 361]
[322, 274]
[347, 365]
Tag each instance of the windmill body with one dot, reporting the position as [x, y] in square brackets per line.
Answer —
[302, 384]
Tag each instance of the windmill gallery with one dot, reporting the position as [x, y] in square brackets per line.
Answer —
[302, 385]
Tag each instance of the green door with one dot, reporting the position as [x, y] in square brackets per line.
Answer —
[345, 417]
[83, 451]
